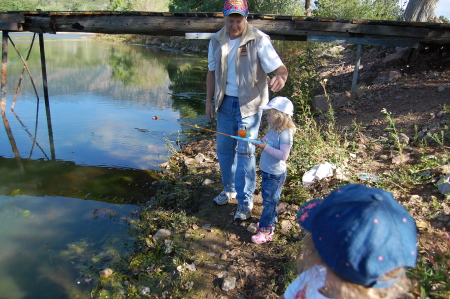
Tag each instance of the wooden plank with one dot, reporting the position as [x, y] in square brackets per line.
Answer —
[198, 35]
[439, 37]
[11, 17]
[60, 13]
[10, 26]
[362, 29]
[364, 41]
[38, 12]
[123, 24]
[38, 24]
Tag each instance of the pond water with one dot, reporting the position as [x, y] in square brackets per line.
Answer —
[73, 172]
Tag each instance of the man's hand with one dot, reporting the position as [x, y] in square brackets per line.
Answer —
[279, 80]
[209, 110]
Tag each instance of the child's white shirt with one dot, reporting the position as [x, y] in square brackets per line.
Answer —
[307, 284]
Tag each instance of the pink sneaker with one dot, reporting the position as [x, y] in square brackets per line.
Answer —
[261, 238]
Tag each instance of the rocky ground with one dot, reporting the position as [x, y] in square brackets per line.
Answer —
[415, 91]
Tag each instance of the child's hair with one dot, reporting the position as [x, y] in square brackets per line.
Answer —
[282, 122]
[345, 289]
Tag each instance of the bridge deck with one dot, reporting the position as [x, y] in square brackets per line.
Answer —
[375, 32]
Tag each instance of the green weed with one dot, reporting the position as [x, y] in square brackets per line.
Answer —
[394, 133]
[439, 137]
[432, 272]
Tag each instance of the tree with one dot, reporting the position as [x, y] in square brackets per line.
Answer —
[420, 10]
[359, 9]
[307, 7]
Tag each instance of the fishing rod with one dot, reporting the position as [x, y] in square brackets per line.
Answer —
[243, 132]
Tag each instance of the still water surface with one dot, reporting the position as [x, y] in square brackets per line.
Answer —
[70, 179]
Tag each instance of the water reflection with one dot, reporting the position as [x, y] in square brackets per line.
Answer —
[50, 245]
[102, 99]
[64, 215]
[63, 178]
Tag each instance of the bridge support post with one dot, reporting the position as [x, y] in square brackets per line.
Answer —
[356, 71]
[46, 99]
[4, 68]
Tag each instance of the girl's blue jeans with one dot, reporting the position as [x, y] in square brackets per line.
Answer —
[236, 158]
[272, 185]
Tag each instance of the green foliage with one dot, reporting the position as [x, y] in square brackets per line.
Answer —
[289, 7]
[121, 5]
[280, 7]
[314, 142]
[14, 5]
[444, 19]
[393, 132]
[151, 5]
[361, 9]
[303, 65]
[84, 5]
[432, 272]
[195, 5]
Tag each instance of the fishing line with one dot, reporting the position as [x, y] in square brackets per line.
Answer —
[194, 126]
[197, 127]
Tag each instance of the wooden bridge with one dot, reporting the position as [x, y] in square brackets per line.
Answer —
[373, 32]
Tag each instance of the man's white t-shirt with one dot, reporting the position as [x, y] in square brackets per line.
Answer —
[270, 61]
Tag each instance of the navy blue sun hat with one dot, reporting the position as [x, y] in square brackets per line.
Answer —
[361, 233]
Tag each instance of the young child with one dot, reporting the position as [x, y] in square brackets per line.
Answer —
[276, 146]
[360, 241]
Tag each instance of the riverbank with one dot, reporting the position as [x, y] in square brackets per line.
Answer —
[188, 247]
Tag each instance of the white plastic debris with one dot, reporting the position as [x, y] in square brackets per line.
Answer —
[368, 177]
[318, 172]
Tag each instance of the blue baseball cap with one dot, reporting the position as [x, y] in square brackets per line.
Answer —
[361, 233]
[235, 6]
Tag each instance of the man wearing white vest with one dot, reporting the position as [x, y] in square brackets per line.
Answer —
[239, 59]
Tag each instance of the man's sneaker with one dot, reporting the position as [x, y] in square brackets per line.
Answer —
[243, 212]
[261, 238]
[224, 197]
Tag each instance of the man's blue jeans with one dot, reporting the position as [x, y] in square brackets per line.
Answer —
[272, 185]
[238, 166]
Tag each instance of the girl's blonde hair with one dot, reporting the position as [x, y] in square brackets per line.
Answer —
[282, 121]
[342, 288]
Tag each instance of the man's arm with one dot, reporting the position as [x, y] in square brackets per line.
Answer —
[210, 82]
[278, 81]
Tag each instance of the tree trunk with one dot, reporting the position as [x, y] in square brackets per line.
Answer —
[307, 7]
[420, 10]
